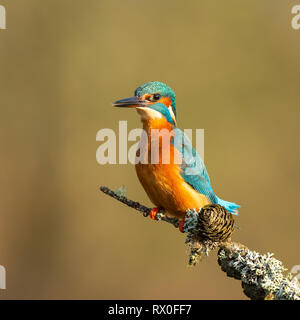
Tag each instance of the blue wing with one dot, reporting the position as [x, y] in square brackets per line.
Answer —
[194, 171]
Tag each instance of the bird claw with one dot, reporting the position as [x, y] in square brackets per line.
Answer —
[181, 225]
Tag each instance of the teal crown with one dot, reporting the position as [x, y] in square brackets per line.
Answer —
[157, 87]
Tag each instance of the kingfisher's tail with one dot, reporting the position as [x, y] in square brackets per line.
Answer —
[229, 206]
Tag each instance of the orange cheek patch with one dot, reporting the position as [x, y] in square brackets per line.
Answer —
[166, 101]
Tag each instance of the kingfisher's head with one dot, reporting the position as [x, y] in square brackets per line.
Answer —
[153, 100]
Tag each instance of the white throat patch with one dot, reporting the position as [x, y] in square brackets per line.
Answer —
[148, 113]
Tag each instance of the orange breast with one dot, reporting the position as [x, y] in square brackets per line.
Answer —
[163, 182]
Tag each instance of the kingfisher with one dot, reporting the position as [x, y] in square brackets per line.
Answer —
[181, 182]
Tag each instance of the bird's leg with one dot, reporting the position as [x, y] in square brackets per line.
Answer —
[153, 212]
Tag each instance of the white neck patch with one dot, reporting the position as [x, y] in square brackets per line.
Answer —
[172, 114]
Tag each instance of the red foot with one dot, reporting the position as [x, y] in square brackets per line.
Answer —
[181, 225]
[153, 213]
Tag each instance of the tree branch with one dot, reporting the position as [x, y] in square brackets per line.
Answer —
[261, 276]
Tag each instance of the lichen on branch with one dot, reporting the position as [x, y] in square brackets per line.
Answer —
[261, 275]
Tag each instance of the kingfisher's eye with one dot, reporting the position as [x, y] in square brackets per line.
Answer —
[156, 97]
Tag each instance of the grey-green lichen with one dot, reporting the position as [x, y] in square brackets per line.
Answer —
[191, 221]
[200, 244]
[261, 274]
[198, 249]
[121, 192]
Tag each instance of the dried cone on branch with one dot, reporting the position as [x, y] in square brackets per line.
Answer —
[262, 276]
[215, 223]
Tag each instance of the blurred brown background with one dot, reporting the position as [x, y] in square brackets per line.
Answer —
[235, 69]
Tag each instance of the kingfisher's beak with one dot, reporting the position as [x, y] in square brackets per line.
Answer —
[132, 102]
